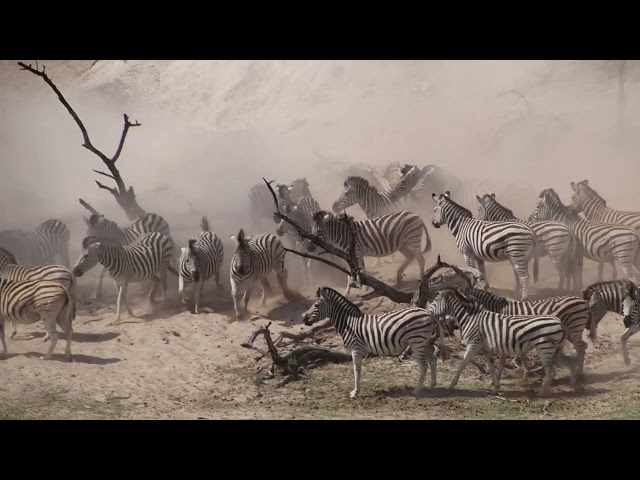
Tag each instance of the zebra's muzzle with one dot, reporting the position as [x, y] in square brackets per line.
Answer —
[196, 276]
[306, 319]
[435, 224]
[77, 272]
[627, 321]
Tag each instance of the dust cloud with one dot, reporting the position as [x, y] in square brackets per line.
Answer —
[211, 129]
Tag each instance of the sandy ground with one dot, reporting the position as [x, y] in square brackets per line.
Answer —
[168, 363]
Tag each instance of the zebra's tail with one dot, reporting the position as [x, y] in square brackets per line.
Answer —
[69, 311]
[535, 262]
[427, 246]
[593, 327]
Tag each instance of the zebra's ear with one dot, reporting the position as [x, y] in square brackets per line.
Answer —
[447, 194]
[86, 220]
[435, 197]
[192, 242]
[574, 186]
[183, 250]
[326, 217]
[585, 183]
[318, 292]
[479, 199]
[493, 195]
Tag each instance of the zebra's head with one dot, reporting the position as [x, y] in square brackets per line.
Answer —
[548, 202]
[89, 258]
[299, 188]
[484, 204]
[584, 194]
[451, 301]
[351, 194]
[441, 210]
[190, 260]
[320, 218]
[328, 303]
[97, 225]
[630, 305]
[241, 254]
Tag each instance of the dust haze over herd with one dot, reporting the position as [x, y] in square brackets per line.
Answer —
[212, 129]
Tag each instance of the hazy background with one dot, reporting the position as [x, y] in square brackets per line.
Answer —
[211, 129]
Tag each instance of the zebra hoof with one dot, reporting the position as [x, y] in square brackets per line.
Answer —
[353, 395]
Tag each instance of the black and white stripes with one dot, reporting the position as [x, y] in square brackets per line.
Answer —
[500, 334]
[481, 241]
[585, 199]
[148, 257]
[254, 258]
[357, 190]
[200, 260]
[600, 242]
[39, 247]
[386, 334]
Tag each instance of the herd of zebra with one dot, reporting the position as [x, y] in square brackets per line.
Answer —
[33, 287]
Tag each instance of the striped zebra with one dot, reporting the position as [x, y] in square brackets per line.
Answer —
[554, 239]
[574, 314]
[606, 297]
[585, 199]
[503, 335]
[103, 228]
[200, 260]
[54, 273]
[375, 237]
[481, 241]
[631, 312]
[382, 334]
[148, 257]
[301, 212]
[600, 242]
[358, 191]
[40, 247]
[253, 260]
[26, 302]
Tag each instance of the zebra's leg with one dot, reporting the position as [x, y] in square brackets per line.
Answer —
[5, 352]
[614, 272]
[473, 261]
[237, 293]
[471, 351]
[492, 369]
[266, 289]
[581, 347]
[122, 298]
[154, 288]
[163, 283]
[546, 356]
[562, 360]
[357, 369]
[623, 342]
[50, 325]
[283, 278]
[628, 270]
[427, 358]
[600, 268]
[422, 365]
[522, 268]
[99, 289]
[197, 294]
[408, 259]
[14, 329]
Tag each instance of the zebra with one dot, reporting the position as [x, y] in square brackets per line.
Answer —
[631, 312]
[375, 237]
[501, 334]
[606, 297]
[357, 190]
[585, 199]
[40, 247]
[200, 260]
[148, 257]
[99, 226]
[10, 270]
[600, 242]
[573, 312]
[481, 241]
[554, 239]
[382, 334]
[253, 259]
[301, 212]
[28, 301]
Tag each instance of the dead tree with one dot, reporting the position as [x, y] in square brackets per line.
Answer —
[125, 197]
[293, 362]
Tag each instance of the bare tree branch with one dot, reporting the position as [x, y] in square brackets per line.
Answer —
[88, 207]
[309, 333]
[125, 197]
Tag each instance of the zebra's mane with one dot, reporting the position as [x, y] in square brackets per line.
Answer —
[590, 191]
[469, 302]
[204, 224]
[556, 202]
[481, 295]
[330, 294]
[493, 200]
[91, 239]
[457, 207]
[360, 181]
[6, 257]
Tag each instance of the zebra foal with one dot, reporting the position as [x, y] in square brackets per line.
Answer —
[148, 258]
[554, 239]
[253, 260]
[54, 273]
[385, 334]
[481, 241]
[200, 260]
[502, 335]
[600, 242]
[376, 237]
[27, 302]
